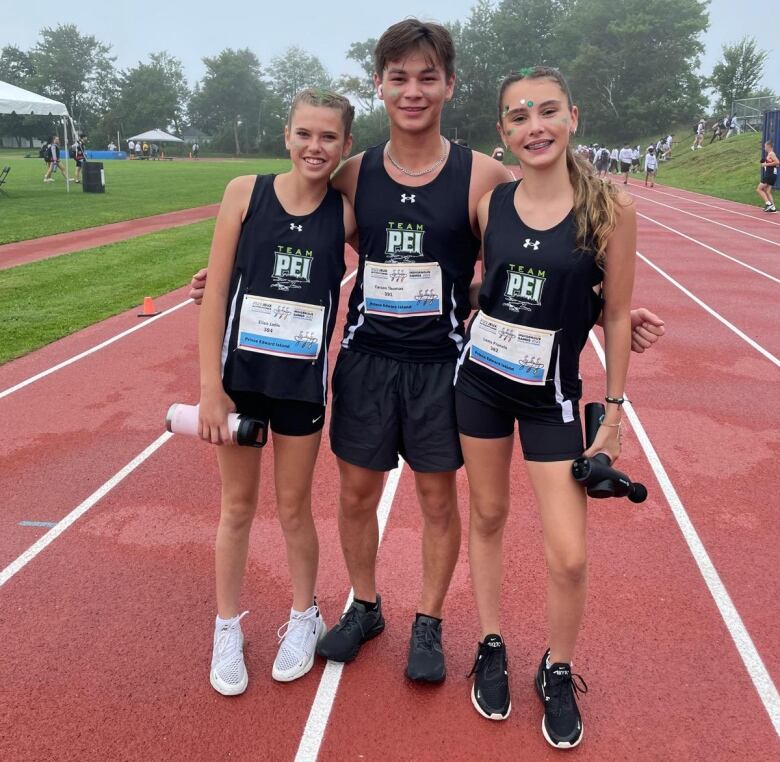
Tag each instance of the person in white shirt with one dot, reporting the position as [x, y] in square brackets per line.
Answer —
[131, 148]
[626, 155]
[699, 139]
[613, 161]
[651, 165]
[733, 126]
[635, 159]
[112, 146]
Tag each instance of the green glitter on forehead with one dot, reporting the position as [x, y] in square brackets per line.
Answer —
[525, 71]
[530, 103]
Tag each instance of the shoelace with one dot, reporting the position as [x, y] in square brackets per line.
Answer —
[229, 639]
[487, 660]
[562, 691]
[295, 629]
[349, 620]
[426, 636]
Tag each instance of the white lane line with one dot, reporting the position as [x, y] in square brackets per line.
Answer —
[747, 650]
[707, 219]
[320, 711]
[765, 218]
[80, 510]
[86, 353]
[742, 335]
[706, 246]
[64, 364]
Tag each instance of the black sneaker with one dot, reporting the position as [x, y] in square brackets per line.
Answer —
[556, 686]
[356, 626]
[426, 656]
[490, 692]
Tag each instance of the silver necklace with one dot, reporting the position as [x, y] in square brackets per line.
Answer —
[421, 172]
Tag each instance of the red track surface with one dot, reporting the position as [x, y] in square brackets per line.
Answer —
[12, 254]
[107, 631]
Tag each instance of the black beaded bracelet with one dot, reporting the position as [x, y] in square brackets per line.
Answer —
[615, 400]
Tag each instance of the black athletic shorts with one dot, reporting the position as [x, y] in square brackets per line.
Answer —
[542, 438]
[383, 407]
[291, 418]
[768, 176]
[625, 166]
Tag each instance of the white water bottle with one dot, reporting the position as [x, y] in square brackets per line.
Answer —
[183, 419]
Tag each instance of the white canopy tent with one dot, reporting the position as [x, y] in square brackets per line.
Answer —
[16, 100]
[159, 136]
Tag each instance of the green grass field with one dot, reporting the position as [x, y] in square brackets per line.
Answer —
[29, 208]
[726, 169]
[43, 301]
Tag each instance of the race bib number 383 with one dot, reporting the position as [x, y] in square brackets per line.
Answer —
[514, 351]
[402, 290]
[281, 328]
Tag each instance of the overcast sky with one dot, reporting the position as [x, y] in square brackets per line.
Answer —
[204, 27]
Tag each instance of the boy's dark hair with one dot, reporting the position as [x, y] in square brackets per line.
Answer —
[412, 35]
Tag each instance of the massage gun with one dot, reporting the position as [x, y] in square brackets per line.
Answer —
[183, 419]
[596, 473]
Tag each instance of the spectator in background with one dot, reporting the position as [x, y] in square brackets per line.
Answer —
[498, 153]
[768, 177]
[138, 149]
[195, 150]
[131, 148]
[635, 159]
[626, 156]
[699, 132]
[54, 161]
[155, 149]
[717, 132]
[79, 154]
[613, 161]
[668, 148]
[602, 161]
[733, 125]
[111, 145]
[145, 149]
[651, 166]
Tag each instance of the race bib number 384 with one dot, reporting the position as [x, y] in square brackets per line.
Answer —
[514, 351]
[402, 290]
[281, 328]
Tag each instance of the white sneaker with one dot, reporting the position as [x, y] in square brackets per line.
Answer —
[228, 673]
[298, 640]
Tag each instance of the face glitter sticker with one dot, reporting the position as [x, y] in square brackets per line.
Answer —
[526, 71]
[395, 93]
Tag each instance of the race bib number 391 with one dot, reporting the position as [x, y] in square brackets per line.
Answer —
[281, 328]
[402, 290]
[516, 352]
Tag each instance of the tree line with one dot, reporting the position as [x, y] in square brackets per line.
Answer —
[631, 67]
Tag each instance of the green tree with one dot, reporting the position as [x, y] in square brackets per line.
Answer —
[74, 68]
[634, 63]
[738, 73]
[361, 87]
[229, 100]
[152, 94]
[17, 68]
[295, 70]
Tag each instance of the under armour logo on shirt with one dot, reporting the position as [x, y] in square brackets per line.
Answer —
[529, 244]
[293, 226]
[405, 198]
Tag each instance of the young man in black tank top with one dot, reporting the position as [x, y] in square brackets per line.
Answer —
[387, 400]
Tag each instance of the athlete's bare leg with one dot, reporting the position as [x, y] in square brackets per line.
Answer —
[360, 492]
[438, 498]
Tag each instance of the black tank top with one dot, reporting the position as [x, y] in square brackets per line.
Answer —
[286, 258]
[538, 279]
[417, 227]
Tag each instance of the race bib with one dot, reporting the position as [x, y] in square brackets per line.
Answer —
[516, 352]
[281, 328]
[402, 290]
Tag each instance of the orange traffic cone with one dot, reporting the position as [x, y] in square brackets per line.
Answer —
[149, 310]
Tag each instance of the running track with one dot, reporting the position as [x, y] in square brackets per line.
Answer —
[107, 629]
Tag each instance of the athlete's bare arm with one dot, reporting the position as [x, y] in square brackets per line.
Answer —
[483, 208]
[214, 403]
